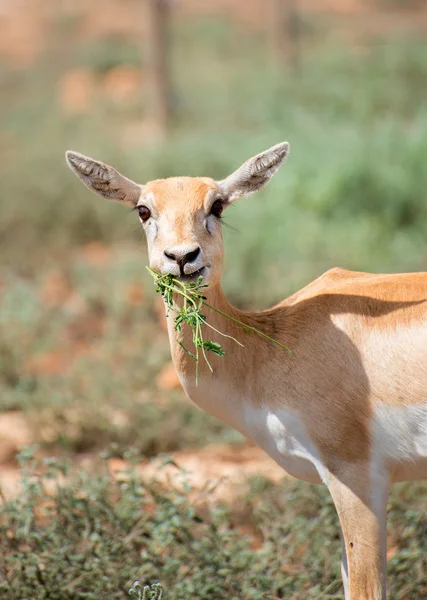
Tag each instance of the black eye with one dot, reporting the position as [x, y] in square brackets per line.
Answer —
[144, 213]
[217, 208]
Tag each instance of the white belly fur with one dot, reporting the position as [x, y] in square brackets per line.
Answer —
[400, 440]
[284, 437]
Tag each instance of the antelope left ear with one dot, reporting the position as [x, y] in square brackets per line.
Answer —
[103, 179]
[255, 173]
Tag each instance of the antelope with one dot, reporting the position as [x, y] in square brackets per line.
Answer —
[347, 407]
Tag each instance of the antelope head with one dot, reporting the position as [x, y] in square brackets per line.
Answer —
[181, 216]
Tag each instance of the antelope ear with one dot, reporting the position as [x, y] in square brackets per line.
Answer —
[255, 173]
[103, 179]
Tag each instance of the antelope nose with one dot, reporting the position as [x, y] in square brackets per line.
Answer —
[182, 254]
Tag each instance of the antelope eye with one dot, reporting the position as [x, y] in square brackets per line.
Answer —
[144, 213]
[217, 208]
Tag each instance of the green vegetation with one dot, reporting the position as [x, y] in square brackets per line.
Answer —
[92, 536]
[80, 336]
[189, 313]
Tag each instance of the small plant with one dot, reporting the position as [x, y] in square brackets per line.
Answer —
[190, 313]
[146, 592]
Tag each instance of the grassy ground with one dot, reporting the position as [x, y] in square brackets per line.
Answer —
[97, 534]
[80, 338]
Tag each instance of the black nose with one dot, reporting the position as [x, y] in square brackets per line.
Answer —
[182, 256]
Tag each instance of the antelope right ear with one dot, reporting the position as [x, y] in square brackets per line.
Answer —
[103, 179]
[255, 173]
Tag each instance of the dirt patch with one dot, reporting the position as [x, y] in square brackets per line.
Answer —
[215, 473]
[14, 433]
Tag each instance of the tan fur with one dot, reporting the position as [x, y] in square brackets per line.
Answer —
[356, 340]
[335, 374]
[348, 334]
[358, 350]
[183, 195]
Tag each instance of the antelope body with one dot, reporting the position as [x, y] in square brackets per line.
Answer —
[347, 407]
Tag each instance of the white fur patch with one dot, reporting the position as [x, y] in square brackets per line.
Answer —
[284, 437]
[400, 440]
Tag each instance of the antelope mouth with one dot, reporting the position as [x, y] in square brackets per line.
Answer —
[193, 277]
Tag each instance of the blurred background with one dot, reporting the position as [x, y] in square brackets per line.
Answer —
[188, 87]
